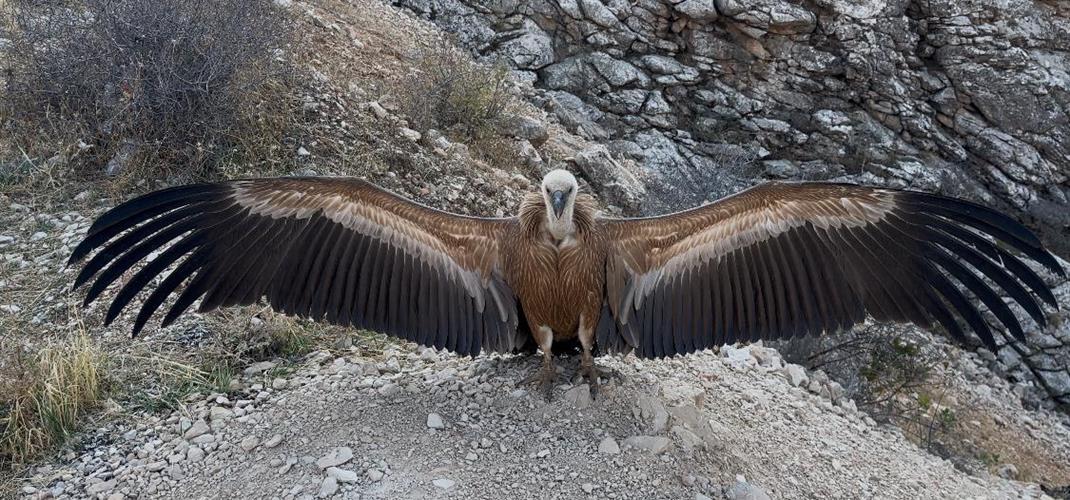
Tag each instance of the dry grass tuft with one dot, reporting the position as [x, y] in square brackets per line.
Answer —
[169, 381]
[40, 403]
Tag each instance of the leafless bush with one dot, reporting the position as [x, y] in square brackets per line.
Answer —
[725, 169]
[732, 159]
[165, 80]
[889, 371]
[873, 363]
[450, 93]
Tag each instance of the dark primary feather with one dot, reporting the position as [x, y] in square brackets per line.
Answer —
[224, 253]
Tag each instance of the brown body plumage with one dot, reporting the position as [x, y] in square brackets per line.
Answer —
[776, 261]
[555, 276]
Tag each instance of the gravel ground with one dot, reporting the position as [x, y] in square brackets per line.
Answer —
[420, 424]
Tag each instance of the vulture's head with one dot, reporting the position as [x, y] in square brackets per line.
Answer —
[559, 189]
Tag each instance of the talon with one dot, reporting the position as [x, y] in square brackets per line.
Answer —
[595, 388]
[592, 374]
[544, 379]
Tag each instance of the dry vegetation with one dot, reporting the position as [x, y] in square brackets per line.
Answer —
[172, 90]
[466, 101]
[889, 373]
[143, 89]
[45, 393]
[447, 91]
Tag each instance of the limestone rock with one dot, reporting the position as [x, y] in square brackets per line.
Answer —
[435, 421]
[616, 181]
[653, 444]
[579, 396]
[743, 490]
[960, 116]
[701, 10]
[335, 457]
[608, 446]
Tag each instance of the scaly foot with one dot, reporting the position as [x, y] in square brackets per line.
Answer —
[544, 380]
[593, 373]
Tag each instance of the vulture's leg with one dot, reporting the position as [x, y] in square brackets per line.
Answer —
[547, 375]
[587, 366]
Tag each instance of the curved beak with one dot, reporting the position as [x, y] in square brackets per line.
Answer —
[557, 199]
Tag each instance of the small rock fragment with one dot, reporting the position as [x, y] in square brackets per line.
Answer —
[743, 490]
[335, 457]
[342, 475]
[443, 483]
[579, 396]
[688, 440]
[649, 409]
[609, 446]
[795, 374]
[273, 441]
[1007, 471]
[258, 367]
[101, 487]
[195, 454]
[329, 487]
[409, 134]
[219, 413]
[377, 109]
[389, 389]
[249, 443]
[198, 428]
[375, 475]
[653, 444]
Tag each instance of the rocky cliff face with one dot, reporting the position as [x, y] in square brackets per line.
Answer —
[969, 98]
[698, 98]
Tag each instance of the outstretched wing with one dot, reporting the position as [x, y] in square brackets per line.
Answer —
[337, 249]
[790, 259]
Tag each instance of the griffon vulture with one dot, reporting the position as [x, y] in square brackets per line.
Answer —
[775, 261]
